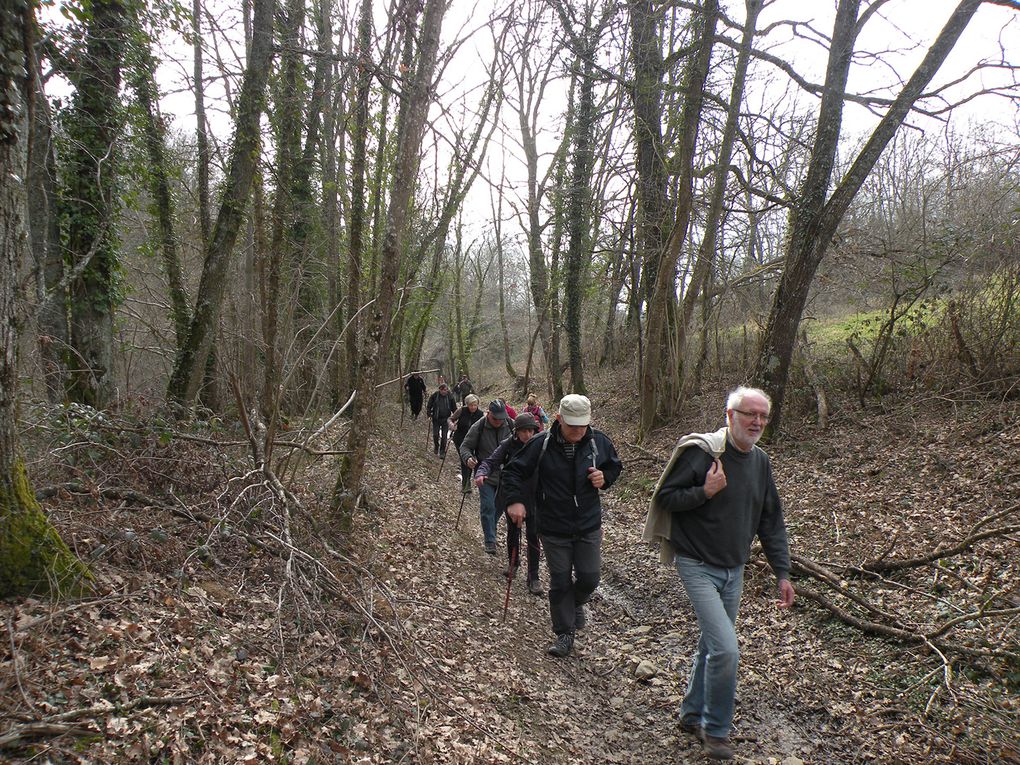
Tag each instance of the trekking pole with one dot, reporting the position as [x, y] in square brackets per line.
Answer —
[510, 577]
[445, 449]
[463, 499]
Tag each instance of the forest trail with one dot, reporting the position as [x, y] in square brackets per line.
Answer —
[505, 698]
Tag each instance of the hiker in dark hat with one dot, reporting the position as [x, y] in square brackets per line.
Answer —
[524, 428]
[481, 441]
[441, 405]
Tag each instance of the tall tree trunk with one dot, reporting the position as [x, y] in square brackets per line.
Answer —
[32, 555]
[359, 160]
[414, 109]
[701, 273]
[579, 209]
[287, 110]
[201, 136]
[142, 79]
[44, 231]
[190, 364]
[94, 130]
[652, 191]
[814, 220]
[656, 336]
[498, 225]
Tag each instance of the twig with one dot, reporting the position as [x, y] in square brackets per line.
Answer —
[14, 665]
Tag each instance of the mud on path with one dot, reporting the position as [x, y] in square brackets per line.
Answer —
[502, 698]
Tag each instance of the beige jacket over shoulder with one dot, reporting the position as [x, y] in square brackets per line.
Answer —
[657, 525]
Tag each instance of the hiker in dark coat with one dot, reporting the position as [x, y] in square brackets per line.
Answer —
[524, 428]
[574, 463]
[441, 405]
[464, 388]
[461, 422]
[416, 390]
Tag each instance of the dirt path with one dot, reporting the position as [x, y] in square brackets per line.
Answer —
[508, 700]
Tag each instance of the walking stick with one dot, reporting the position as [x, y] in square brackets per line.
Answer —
[510, 578]
[445, 449]
[463, 499]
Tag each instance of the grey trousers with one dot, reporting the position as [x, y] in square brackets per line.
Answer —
[574, 564]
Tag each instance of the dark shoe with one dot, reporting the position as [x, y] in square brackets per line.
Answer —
[442, 454]
[490, 548]
[580, 618]
[717, 748]
[465, 489]
[692, 729]
[510, 571]
[535, 587]
[563, 645]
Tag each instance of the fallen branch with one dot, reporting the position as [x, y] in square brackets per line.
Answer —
[57, 725]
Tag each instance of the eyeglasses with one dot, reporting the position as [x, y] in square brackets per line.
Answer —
[753, 415]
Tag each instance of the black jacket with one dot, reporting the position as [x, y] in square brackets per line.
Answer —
[440, 406]
[464, 420]
[567, 505]
[415, 387]
[506, 451]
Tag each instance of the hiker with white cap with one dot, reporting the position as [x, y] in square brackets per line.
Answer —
[574, 463]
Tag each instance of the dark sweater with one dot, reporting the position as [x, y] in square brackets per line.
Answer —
[719, 531]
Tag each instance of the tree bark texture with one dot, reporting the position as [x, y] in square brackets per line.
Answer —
[32, 555]
[705, 259]
[190, 363]
[412, 125]
[94, 130]
[143, 81]
[663, 295]
[813, 220]
[44, 233]
[579, 209]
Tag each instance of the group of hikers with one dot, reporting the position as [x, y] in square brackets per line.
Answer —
[546, 475]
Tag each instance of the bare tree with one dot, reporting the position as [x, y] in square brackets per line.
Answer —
[817, 214]
[656, 336]
[411, 124]
[190, 363]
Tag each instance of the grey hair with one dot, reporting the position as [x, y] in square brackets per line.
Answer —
[737, 396]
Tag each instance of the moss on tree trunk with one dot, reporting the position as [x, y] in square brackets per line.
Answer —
[33, 557]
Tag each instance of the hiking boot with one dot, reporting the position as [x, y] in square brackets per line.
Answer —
[535, 587]
[465, 489]
[563, 645]
[511, 571]
[692, 728]
[717, 748]
[580, 618]
[490, 548]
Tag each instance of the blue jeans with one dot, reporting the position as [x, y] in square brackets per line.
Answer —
[711, 690]
[487, 511]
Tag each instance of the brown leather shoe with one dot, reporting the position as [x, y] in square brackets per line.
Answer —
[717, 748]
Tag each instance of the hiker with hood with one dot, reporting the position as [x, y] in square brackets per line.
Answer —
[481, 440]
[464, 388]
[524, 428]
[441, 405]
[416, 390]
[571, 464]
[460, 423]
[714, 497]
